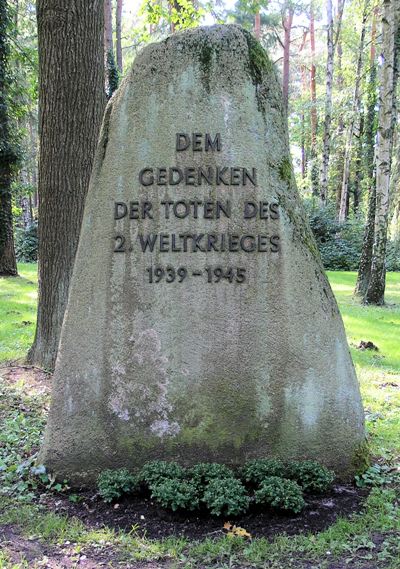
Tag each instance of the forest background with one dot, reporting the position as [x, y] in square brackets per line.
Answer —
[338, 66]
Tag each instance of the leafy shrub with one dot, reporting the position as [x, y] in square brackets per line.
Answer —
[157, 470]
[310, 475]
[26, 244]
[281, 494]
[112, 484]
[226, 496]
[255, 471]
[201, 474]
[378, 475]
[175, 494]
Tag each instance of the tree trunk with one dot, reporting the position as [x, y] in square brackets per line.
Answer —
[8, 263]
[108, 30]
[313, 112]
[358, 166]
[390, 20]
[343, 211]
[118, 22]
[364, 269]
[71, 103]
[257, 25]
[303, 121]
[287, 26]
[331, 43]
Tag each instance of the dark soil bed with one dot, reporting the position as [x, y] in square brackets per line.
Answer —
[151, 520]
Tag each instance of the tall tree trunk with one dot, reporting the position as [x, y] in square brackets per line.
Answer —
[313, 112]
[390, 25]
[287, 27]
[358, 166]
[343, 211]
[118, 28]
[108, 30]
[364, 269]
[340, 130]
[331, 44]
[303, 122]
[8, 264]
[71, 105]
[257, 25]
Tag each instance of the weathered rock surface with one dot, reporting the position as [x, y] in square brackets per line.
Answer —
[197, 370]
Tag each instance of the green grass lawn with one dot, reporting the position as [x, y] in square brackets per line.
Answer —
[18, 298]
[367, 540]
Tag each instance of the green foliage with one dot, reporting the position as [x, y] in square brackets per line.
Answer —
[157, 470]
[26, 244]
[226, 497]
[201, 474]
[310, 475]
[181, 13]
[112, 484]
[112, 74]
[176, 494]
[281, 494]
[255, 471]
[378, 475]
[339, 244]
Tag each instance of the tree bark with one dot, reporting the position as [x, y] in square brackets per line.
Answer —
[303, 122]
[108, 30]
[313, 112]
[118, 28]
[8, 263]
[344, 197]
[331, 44]
[364, 269]
[71, 105]
[257, 25]
[390, 19]
[287, 27]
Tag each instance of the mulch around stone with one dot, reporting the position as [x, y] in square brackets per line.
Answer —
[150, 520]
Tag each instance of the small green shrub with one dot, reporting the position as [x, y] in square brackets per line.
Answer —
[176, 494]
[157, 470]
[112, 484]
[226, 496]
[281, 494]
[26, 244]
[201, 474]
[310, 475]
[378, 475]
[255, 471]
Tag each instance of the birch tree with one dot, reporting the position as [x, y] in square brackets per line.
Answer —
[390, 28]
[331, 45]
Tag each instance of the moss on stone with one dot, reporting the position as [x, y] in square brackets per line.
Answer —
[285, 170]
[205, 58]
[258, 59]
[362, 457]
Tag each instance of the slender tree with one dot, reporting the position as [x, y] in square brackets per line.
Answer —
[8, 156]
[390, 44]
[313, 112]
[364, 270]
[331, 45]
[353, 121]
[71, 102]
[287, 22]
[118, 30]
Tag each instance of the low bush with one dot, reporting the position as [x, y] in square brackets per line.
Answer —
[281, 494]
[26, 244]
[112, 484]
[255, 471]
[310, 475]
[226, 497]
[201, 474]
[158, 470]
[176, 494]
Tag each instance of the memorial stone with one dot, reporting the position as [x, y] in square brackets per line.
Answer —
[200, 324]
